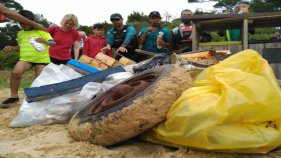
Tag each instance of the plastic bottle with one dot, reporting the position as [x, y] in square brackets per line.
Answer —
[37, 46]
[159, 38]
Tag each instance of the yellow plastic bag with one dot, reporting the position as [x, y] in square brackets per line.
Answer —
[234, 106]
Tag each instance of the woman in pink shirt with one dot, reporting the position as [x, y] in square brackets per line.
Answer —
[65, 36]
[94, 43]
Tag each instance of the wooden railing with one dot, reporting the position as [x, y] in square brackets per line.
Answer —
[232, 21]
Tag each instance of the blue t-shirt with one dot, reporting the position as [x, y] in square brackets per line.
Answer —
[150, 42]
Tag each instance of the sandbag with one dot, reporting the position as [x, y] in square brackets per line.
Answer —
[233, 106]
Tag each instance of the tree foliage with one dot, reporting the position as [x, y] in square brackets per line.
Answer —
[40, 19]
[11, 4]
[137, 17]
[167, 16]
[138, 25]
[266, 5]
[8, 35]
[8, 60]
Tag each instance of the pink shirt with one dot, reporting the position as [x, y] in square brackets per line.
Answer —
[93, 44]
[64, 41]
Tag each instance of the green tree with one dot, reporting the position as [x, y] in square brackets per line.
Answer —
[166, 16]
[138, 25]
[8, 35]
[107, 25]
[40, 19]
[8, 60]
[174, 23]
[262, 33]
[276, 3]
[137, 17]
[86, 29]
[265, 5]
[11, 4]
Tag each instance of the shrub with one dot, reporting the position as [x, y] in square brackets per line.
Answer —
[8, 60]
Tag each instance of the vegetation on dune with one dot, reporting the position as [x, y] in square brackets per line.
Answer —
[26, 81]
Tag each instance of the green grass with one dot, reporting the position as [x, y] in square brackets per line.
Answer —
[26, 80]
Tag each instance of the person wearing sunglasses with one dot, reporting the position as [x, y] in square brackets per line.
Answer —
[122, 38]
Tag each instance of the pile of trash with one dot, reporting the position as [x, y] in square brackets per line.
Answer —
[233, 104]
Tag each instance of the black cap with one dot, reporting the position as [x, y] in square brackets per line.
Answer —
[154, 14]
[115, 16]
[27, 14]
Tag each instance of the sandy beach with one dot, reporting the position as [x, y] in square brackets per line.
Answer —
[55, 141]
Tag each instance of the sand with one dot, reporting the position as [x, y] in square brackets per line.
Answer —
[54, 141]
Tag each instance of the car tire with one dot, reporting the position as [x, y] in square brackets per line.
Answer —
[105, 124]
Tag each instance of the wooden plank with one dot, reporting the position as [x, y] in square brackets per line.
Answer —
[194, 37]
[204, 17]
[145, 52]
[224, 47]
[206, 47]
[220, 43]
[264, 41]
[57, 89]
[81, 67]
[245, 34]
[240, 21]
[238, 48]
[233, 21]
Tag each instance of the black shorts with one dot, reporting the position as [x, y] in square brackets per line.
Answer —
[58, 62]
[34, 64]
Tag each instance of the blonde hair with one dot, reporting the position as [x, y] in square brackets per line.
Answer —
[70, 17]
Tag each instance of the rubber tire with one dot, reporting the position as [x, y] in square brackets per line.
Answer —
[134, 116]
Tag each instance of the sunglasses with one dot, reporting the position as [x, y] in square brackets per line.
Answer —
[112, 20]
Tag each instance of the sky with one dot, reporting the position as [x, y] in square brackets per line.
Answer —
[93, 11]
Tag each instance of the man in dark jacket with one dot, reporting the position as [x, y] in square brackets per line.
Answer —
[122, 38]
[181, 35]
